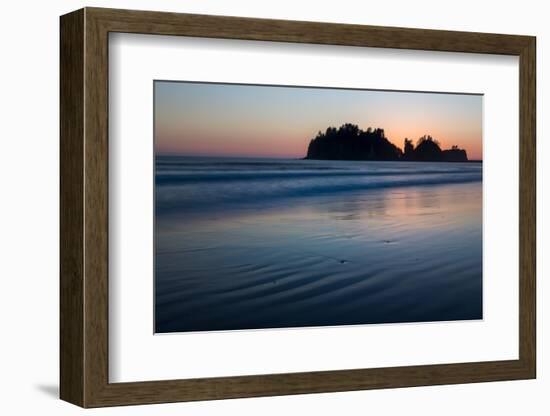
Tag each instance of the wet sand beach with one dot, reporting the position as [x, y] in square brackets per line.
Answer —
[267, 243]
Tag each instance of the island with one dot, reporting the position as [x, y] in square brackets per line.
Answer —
[349, 142]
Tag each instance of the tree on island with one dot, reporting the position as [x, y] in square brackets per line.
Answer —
[408, 150]
[427, 150]
[349, 142]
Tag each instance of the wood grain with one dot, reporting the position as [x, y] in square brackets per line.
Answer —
[84, 207]
[527, 207]
[71, 185]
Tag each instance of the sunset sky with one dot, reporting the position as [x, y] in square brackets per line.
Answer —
[202, 119]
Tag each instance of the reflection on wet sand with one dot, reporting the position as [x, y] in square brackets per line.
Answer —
[361, 256]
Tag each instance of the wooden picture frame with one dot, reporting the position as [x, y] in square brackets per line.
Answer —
[84, 207]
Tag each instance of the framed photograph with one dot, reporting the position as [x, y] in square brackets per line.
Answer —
[254, 207]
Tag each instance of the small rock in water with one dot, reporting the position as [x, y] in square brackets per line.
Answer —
[343, 261]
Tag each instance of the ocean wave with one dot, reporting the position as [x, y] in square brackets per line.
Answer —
[198, 197]
[164, 178]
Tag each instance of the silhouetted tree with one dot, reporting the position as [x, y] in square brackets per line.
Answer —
[349, 142]
[428, 150]
[454, 154]
[408, 150]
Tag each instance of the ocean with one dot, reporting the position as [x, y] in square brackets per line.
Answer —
[250, 243]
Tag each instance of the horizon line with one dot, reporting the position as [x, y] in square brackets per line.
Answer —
[234, 156]
[164, 153]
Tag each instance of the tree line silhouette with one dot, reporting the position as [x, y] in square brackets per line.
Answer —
[349, 142]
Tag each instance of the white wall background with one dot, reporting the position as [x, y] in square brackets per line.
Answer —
[29, 160]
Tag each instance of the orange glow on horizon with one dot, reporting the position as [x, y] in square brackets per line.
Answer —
[266, 121]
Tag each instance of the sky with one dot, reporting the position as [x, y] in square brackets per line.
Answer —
[210, 119]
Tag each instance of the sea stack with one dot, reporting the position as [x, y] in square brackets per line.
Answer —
[349, 142]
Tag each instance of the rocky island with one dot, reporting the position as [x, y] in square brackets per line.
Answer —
[349, 142]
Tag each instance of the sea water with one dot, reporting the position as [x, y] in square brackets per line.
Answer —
[243, 243]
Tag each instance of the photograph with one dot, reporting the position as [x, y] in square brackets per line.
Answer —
[280, 203]
[286, 206]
